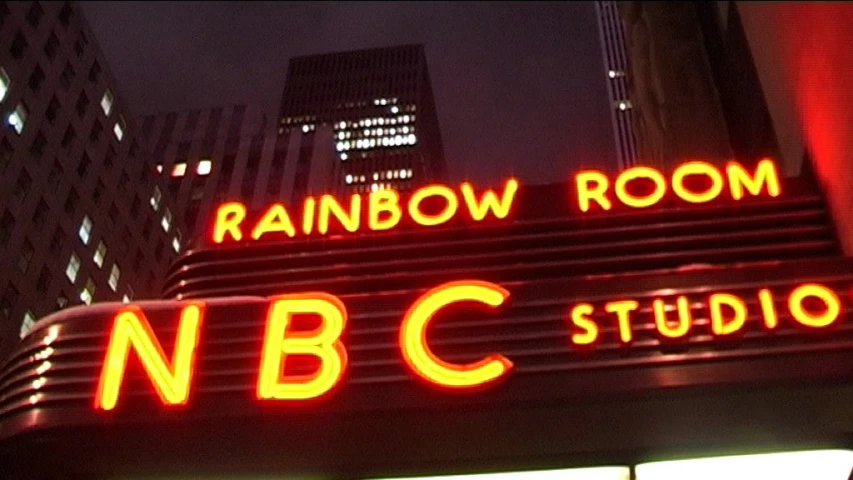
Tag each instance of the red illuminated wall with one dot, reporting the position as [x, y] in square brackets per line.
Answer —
[804, 59]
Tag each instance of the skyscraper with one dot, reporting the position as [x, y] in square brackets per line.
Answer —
[209, 156]
[350, 122]
[378, 106]
[616, 66]
[81, 219]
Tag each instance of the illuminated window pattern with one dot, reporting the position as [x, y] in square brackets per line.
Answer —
[115, 274]
[395, 174]
[27, 324]
[389, 130]
[100, 254]
[88, 293]
[85, 232]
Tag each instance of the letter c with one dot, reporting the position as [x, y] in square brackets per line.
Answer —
[423, 362]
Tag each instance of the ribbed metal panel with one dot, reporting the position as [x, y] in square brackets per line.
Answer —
[547, 263]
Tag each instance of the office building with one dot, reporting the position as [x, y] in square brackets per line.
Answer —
[350, 122]
[81, 219]
[612, 39]
[378, 106]
[209, 156]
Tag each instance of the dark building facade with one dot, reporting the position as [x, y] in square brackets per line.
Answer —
[378, 106]
[694, 87]
[81, 218]
[616, 65]
[210, 156]
[351, 122]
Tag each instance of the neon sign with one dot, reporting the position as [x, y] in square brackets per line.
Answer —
[434, 205]
[813, 307]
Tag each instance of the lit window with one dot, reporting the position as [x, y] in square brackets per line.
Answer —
[375, 176]
[115, 274]
[405, 119]
[27, 324]
[388, 174]
[100, 254]
[612, 73]
[405, 129]
[816, 464]
[305, 128]
[624, 105]
[361, 179]
[85, 231]
[367, 123]
[344, 156]
[396, 174]
[88, 293]
[125, 299]
[412, 139]
[204, 167]
[590, 473]
[380, 121]
[4, 84]
[118, 129]
[166, 223]
[18, 117]
[107, 102]
[349, 179]
[155, 198]
[159, 168]
[342, 125]
[374, 187]
[73, 268]
[395, 109]
[179, 169]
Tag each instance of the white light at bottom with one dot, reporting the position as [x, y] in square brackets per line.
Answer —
[596, 473]
[812, 465]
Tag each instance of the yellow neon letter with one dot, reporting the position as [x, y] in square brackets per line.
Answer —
[228, 219]
[430, 191]
[720, 325]
[588, 327]
[132, 330]
[490, 200]
[328, 205]
[697, 168]
[768, 309]
[275, 220]
[623, 310]
[308, 215]
[585, 193]
[383, 201]
[825, 295]
[640, 172]
[323, 343]
[765, 174]
[684, 318]
[416, 351]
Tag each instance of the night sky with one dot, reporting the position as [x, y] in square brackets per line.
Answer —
[519, 86]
